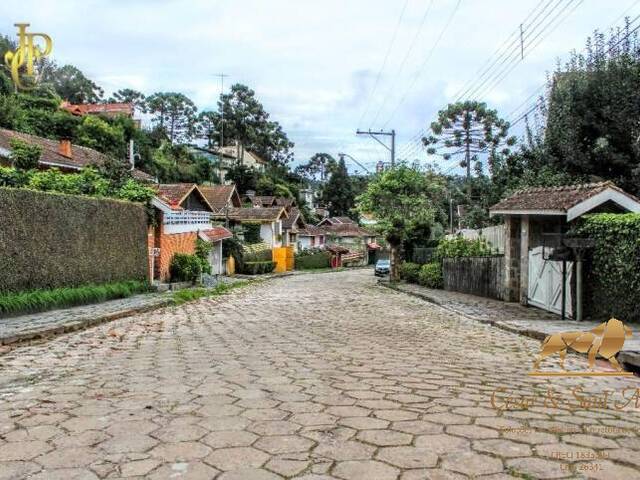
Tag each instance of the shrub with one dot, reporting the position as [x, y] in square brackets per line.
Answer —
[320, 259]
[203, 249]
[41, 300]
[410, 272]
[612, 282]
[462, 247]
[24, 156]
[258, 252]
[185, 268]
[251, 232]
[430, 275]
[257, 268]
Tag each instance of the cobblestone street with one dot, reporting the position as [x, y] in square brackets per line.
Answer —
[317, 377]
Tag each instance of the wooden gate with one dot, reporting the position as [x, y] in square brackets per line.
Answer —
[283, 258]
[545, 283]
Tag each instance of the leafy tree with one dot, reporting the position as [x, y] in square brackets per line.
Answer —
[402, 199]
[245, 178]
[174, 113]
[24, 156]
[246, 121]
[208, 127]
[72, 85]
[128, 95]
[468, 129]
[338, 191]
[317, 166]
[593, 121]
[94, 132]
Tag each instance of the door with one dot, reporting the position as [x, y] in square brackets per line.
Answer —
[215, 258]
[545, 283]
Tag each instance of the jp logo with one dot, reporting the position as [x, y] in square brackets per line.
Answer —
[25, 55]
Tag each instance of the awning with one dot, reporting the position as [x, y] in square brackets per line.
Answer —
[215, 234]
[373, 246]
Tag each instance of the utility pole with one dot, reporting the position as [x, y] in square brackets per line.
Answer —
[342, 155]
[391, 149]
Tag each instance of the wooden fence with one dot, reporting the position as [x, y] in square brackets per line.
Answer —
[482, 276]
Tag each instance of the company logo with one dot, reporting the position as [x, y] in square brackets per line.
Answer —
[605, 340]
[25, 56]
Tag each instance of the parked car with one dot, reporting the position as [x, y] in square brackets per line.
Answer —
[382, 268]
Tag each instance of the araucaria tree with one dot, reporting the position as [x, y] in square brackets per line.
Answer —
[174, 113]
[467, 130]
[401, 199]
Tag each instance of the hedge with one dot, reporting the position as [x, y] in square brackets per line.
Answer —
[257, 268]
[430, 275]
[185, 267]
[41, 300]
[317, 260]
[52, 240]
[612, 276]
[409, 271]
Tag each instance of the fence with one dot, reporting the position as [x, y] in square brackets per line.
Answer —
[495, 236]
[482, 276]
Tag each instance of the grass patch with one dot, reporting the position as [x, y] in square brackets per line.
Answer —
[40, 300]
[191, 294]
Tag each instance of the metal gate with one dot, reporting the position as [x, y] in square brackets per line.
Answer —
[545, 283]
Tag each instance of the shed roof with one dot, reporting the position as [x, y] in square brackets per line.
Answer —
[215, 234]
[295, 218]
[219, 196]
[571, 201]
[347, 230]
[174, 194]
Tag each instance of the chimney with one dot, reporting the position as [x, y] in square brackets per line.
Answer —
[64, 148]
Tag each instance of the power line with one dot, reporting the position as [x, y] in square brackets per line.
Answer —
[424, 63]
[404, 61]
[384, 63]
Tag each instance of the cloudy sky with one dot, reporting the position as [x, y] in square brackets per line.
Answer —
[317, 66]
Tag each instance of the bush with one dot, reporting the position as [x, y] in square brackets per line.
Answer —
[462, 247]
[203, 249]
[612, 282]
[41, 300]
[409, 272]
[320, 259]
[185, 268]
[430, 275]
[257, 268]
[24, 156]
[251, 232]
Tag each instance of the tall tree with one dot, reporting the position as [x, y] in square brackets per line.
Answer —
[593, 123]
[338, 191]
[317, 167]
[465, 130]
[402, 199]
[246, 121]
[208, 127]
[174, 113]
[71, 84]
[128, 95]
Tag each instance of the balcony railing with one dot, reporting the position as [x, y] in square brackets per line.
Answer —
[188, 217]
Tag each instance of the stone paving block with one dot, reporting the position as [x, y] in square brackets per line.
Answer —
[408, 457]
[365, 469]
[344, 450]
[237, 458]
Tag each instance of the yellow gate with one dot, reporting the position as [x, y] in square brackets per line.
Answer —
[283, 258]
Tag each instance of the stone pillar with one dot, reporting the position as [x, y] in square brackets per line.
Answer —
[512, 259]
[525, 232]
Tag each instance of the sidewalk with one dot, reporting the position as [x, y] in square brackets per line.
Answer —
[55, 322]
[529, 321]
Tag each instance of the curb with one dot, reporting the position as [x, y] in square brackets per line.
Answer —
[630, 360]
[74, 326]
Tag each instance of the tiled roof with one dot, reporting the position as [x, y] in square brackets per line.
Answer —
[337, 221]
[231, 151]
[173, 194]
[554, 198]
[293, 219]
[264, 201]
[143, 176]
[98, 108]
[347, 230]
[216, 234]
[219, 195]
[285, 202]
[51, 156]
[257, 214]
[311, 231]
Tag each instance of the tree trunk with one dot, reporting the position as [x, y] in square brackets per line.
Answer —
[394, 275]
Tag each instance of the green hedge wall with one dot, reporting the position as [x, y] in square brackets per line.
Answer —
[317, 260]
[52, 240]
[612, 283]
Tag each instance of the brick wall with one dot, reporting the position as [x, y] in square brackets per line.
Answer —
[169, 245]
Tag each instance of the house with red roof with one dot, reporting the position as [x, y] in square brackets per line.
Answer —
[182, 215]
